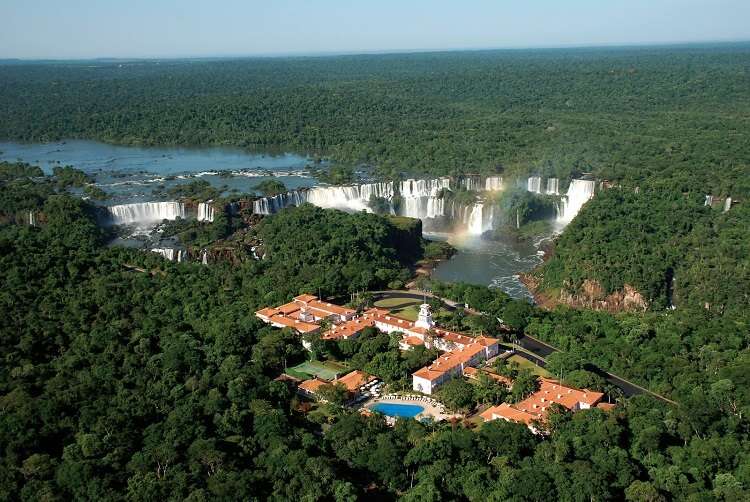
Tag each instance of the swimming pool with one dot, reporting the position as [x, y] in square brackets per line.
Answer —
[398, 410]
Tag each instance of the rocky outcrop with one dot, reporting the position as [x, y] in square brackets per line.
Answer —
[590, 295]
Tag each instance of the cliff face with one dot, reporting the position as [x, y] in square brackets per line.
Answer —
[590, 295]
[406, 237]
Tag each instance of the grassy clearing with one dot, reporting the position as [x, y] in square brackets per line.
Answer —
[525, 363]
[409, 313]
[327, 370]
[398, 301]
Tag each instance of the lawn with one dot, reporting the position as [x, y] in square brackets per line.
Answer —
[525, 363]
[409, 313]
[327, 370]
[399, 301]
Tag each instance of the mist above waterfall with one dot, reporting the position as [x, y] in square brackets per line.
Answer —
[146, 212]
[579, 192]
[468, 204]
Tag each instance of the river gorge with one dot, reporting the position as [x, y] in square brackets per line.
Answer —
[460, 209]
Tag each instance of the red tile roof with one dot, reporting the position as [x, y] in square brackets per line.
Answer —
[356, 379]
[312, 385]
[288, 308]
[305, 298]
[266, 312]
[550, 392]
[329, 308]
[507, 412]
[347, 329]
[301, 326]
[449, 361]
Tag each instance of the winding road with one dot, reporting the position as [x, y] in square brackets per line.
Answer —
[537, 349]
[542, 350]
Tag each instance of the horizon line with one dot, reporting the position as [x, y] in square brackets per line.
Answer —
[383, 52]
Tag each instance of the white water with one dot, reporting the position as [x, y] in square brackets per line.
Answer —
[476, 221]
[167, 253]
[146, 212]
[205, 211]
[32, 219]
[422, 199]
[422, 207]
[579, 192]
[349, 197]
[727, 204]
[270, 205]
[534, 184]
[472, 183]
[493, 183]
[423, 188]
[553, 186]
[171, 254]
[204, 258]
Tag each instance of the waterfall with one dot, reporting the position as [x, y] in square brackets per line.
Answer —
[204, 257]
[167, 253]
[727, 204]
[709, 200]
[423, 188]
[518, 218]
[205, 211]
[146, 212]
[32, 219]
[423, 207]
[552, 186]
[348, 197]
[493, 183]
[171, 254]
[475, 220]
[481, 219]
[270, 205]
[534, 184]
[420, 199]
[579, 192]
[471, 183]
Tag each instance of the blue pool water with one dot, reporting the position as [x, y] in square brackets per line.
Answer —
[398, 410]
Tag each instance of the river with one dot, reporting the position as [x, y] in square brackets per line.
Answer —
[139, 174]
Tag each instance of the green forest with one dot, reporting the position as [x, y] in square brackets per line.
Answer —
[128, 377]
[668, 245]
[678, 115]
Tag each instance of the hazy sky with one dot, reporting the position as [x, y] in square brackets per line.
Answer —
[163, 28]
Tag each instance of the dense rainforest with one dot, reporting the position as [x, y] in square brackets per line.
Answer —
[671, 122]
[672, 248]
[128, 377]
[632, 114]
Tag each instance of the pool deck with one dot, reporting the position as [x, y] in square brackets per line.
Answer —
[432, 409]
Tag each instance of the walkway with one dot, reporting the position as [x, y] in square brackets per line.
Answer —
[537, 349]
